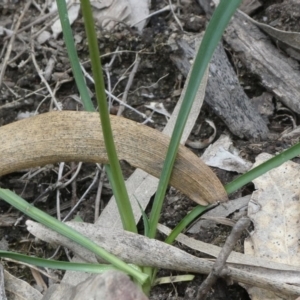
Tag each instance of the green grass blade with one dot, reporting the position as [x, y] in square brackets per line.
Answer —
[231, 187]
[122, 198]
[113, 170]
[270, 164]
[72, 53]
[68, 232]
[212, 36]
[54, 264]
[145, 219]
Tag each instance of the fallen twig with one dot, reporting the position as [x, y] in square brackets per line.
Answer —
[140, 250]
[220, 262]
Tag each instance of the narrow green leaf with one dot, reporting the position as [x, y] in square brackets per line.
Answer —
[113, 170]
[68, 232]
[270, 164]
[54, 264]
[212, 36]
[72, 53]
[186, 221]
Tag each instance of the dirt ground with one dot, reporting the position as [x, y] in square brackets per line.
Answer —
[157, 79]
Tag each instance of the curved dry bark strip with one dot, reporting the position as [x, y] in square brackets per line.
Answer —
[76, 136]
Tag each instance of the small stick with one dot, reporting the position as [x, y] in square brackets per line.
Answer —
[59, 176]
[98, 196]
[129, 84]
[83, 197]
[40, 73]
[220, 262]
[11, 42]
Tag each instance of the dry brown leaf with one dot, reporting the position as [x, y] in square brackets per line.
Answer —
[223, 155]
[274, 210]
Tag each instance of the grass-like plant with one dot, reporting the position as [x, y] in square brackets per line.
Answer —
[210, 40]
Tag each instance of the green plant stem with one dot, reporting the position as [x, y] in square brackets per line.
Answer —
[70, 233]
[72, 53]
[113, 170]
[263, 168]
[212, 36]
